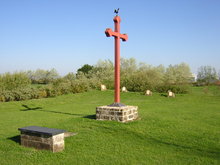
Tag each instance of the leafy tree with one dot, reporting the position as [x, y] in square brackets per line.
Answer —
[41, 76]
[142, 77]
[207, 75]
[128, 66]
[178, 74]
[70, 76]
[103, 71]
[85, 69]
[50, 76]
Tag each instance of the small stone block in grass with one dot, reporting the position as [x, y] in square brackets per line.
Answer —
[42, 138]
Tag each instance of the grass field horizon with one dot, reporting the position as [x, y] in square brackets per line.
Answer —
[181, 130]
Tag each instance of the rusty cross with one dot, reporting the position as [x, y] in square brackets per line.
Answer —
[116, 34]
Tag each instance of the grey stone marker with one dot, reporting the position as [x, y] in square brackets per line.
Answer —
[42, 138]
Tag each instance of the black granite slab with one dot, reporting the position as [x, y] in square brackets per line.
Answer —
[41, 130]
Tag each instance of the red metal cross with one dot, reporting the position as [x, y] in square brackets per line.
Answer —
[116, 34]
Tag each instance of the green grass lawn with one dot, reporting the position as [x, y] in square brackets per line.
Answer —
[181, 130]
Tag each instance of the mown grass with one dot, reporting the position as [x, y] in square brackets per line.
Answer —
[181, 130]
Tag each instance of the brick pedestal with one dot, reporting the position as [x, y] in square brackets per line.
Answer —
[121, 114]
[42, 138]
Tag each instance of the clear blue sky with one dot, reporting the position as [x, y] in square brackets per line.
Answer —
[66, 34]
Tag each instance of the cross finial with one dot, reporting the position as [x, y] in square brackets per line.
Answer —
[116, 11]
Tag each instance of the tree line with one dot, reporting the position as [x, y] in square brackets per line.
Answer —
[137, 77]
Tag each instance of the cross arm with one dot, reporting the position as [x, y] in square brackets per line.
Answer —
[109, 33]
[124, 37]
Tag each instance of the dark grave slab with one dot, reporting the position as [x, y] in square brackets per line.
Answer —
[42, 138]
[41, 130]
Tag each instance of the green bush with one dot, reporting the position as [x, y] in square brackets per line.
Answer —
[19, 94]
[42, 93]
[180, 89]
[95, 83]
[79, 86]
[60, 86]
[10, 81]
[51, 92]
[135, 77]
[6, 96]
[64, 88]
[2, 98]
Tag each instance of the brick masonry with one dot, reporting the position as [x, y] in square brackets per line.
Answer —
[120, 114]
[54, 143]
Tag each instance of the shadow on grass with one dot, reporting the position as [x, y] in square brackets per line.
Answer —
[90, 117]
[198, 150]
[209, 152]
[164, 95]
[16, 139]
[27, 108]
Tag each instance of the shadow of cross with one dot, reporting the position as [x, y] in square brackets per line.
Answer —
[29, 108]
[58, 112]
